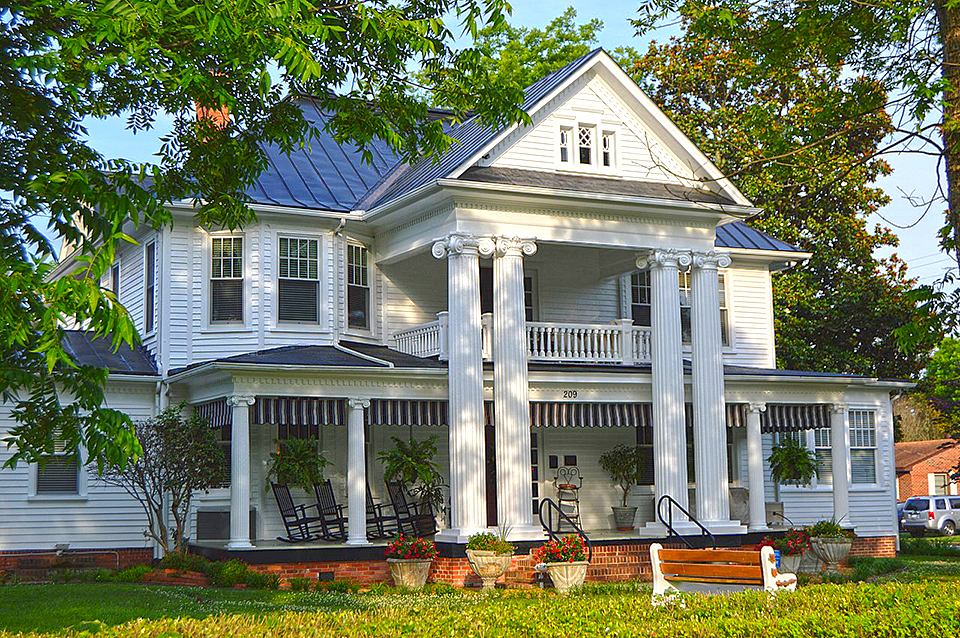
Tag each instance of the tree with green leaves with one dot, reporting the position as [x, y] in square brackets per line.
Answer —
[941, 383]
[66, 60]
[908, 49]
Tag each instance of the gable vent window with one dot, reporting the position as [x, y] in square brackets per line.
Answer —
[585, 141]
[149, 287]
[59, 473]
[358, 287]
[299, 280]
[226, 279]
[607, 149]
[565, 145]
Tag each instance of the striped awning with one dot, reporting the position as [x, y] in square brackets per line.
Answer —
[406, 412]
[793, 418]
[562, 414]
[217, 413]
[311, 411]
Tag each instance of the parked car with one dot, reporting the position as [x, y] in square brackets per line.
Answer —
[939, 514]
[900, 515]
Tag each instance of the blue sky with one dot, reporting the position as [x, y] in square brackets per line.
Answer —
[913, 174]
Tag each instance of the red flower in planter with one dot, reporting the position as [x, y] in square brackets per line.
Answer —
[411, 547]
[794, 541]
[568, 549]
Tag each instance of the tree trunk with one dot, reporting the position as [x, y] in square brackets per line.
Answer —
[948, 18]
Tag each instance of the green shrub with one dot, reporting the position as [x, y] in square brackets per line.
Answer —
[865, 568]
[339, 586]
[486, 541]
[442, 589]
[260, 580]
[380, 589]
[228, 574]
[131, 574]
[184, 562]
[828, 529]
[300, 584]
[928, 547]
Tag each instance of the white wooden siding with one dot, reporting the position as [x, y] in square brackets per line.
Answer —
[107, 518]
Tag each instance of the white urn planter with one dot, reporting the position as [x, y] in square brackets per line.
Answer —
[831, 550]
[488, 565]
[790, 563]
[623, 518]
[409, 573]
[566, 576]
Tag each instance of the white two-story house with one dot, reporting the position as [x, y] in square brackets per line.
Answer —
[539, 295]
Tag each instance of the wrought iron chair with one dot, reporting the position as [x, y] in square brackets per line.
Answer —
[333, 520]
[568, 483]
[410, 518]
[300, 527]
[380, 524]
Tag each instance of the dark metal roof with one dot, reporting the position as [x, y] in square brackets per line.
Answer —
[471, 136]
[740, 235]
[589, 183]
[323, 356]
[324, 175]
[98, 353]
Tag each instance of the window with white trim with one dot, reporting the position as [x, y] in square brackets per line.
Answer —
[724, 319]
[115, 280]
[863, 446]
[149, 286]
[585, 145]
[226, 279]
[566, 133]
[641, 299]
[607, 149]
[940, 484]
[58, 473]
[298, 280]
[358, 287]
[686, 306]
[823, 450]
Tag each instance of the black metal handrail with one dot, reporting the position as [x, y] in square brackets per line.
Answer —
[668, 522]
[554, 534]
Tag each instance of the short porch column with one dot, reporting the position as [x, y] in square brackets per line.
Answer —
[709, 409]
[240, 472]
[467, 493]
[356, 473]
[669, 438]
[839, 452]
[758, 510]
[510, 386]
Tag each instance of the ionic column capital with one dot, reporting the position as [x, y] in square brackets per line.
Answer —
[710, 260]
[664, 258]
[241, 400]
[838, 408]
[504, 246]
[455, 244]
[355, 403]
[757, 407]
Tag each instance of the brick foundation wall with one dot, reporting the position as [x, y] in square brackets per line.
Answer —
[37, 563]
[877, 546]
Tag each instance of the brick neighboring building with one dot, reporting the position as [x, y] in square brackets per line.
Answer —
[925, 467]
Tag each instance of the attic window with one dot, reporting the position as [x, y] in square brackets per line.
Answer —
[565, 145]
[606, 148]
[585, 139]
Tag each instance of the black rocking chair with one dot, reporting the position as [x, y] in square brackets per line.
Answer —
[333, 521]
[300, 527]
[379, 523]
[410, 519]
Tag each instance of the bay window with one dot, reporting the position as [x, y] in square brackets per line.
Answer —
[358, 287]
[226, 279]
[298, 281]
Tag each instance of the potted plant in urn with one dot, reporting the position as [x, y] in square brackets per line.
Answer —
[830, 542]
[791, 463]
[489, 557]
[410, 558]
[565, 560]
[791, 547]
[624, 464]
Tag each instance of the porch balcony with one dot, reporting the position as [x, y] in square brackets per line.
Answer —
[617, 342]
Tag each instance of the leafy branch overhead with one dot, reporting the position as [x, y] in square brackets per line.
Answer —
[65, 62]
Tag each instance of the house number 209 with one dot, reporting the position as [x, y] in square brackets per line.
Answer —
[569, 394]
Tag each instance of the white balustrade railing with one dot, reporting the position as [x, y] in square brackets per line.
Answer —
[618, 342]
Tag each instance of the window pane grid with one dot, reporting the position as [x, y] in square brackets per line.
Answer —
[585, 141]
[227, 258]
[299, 258]
[863, 443]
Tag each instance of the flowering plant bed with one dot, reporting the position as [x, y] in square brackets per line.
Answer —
[569, 549]
[794, 542]
[488, 542]
[411, 548]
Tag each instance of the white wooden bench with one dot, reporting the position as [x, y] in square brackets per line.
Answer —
[715, 571]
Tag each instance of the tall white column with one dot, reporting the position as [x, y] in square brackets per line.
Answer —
[510, 386]
[356, 473]
[840, 453]
[240, 472]
[669, 435]
[758, 510]
[465, 374]
[709, 408]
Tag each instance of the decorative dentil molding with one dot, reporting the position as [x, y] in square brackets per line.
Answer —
[241, 400]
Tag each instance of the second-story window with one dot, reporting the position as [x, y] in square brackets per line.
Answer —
[606, 149]
[686, 306]
[149, 286]
[565, 132]
[641, 299]
[299, 280]
[115, 280]
[358, 287]
[226, 279]
[585, 144]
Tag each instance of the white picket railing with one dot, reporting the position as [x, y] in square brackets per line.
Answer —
[617, 342]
